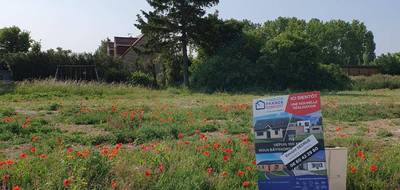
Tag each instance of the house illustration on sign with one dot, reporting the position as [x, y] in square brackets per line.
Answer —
[271, 128]
[285, 128]
[271, 166]
[312, 164]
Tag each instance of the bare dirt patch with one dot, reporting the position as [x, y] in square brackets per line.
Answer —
[368, 129]
[13, 151]
[86, 129]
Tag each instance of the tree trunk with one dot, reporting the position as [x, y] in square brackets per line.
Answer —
[185, 61]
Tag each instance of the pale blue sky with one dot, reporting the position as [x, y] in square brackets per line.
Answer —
[80, 25]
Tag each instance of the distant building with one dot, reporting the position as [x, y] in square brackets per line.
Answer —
[125, 48]
[360, 70]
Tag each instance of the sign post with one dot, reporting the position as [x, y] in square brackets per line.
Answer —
[289, 142]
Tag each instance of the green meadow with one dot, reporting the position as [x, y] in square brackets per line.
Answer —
[68, 135]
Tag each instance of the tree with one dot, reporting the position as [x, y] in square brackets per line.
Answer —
[13, 40]
[369, 48]
[389, 63]
[174, 24]
[293, 60]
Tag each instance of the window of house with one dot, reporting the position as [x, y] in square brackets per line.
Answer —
[306, 124]
[276, 132]
[276, 167]
[260, 133]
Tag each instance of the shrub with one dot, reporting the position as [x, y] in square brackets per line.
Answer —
[220, 73]
[139, 78]
[375, 82]
[54, 107]
[331, 77]
[389, 63]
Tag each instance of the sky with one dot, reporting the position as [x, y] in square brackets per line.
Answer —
[80, 25]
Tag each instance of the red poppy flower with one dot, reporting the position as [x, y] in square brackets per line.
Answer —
[35, 138]
[67, 182]
[43, 156]
[9, 162]
[248, 168]
[228, 151]
[338, 129]
[246, 184]
[187, 142]
[254, 162]
[161, 167]
[240, 173]
[180, 136]
[23, 156]
[206, 153]
[26, 123]
[245, 140]
[203, 137]
[361, 154]
[114, 183]
[373, 168]
[114, 108]
[70, 150]
[216, 146]
[224, 174]
[33, 149]
[118, 146]
[104, 151]
[7, 119]
[353, 169]
[16, 187]
[210, 170]
[225, 158]
[6, 177]
[83, 153]
[147, 173]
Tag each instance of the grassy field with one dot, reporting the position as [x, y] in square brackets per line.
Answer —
[98, 136]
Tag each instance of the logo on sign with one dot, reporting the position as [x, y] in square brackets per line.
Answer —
[260, 105]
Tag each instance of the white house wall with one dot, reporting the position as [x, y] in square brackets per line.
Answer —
[264, 136]
[274, 136]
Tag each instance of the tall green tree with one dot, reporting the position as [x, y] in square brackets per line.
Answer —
[14, 40]
[174, 24]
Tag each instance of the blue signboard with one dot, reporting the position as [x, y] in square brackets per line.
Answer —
[289, 142]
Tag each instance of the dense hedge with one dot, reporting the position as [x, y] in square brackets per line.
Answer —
[41, 65]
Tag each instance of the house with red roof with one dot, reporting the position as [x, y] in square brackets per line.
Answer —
[125, 48]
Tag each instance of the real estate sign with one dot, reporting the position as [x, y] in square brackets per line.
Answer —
[289, 142]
